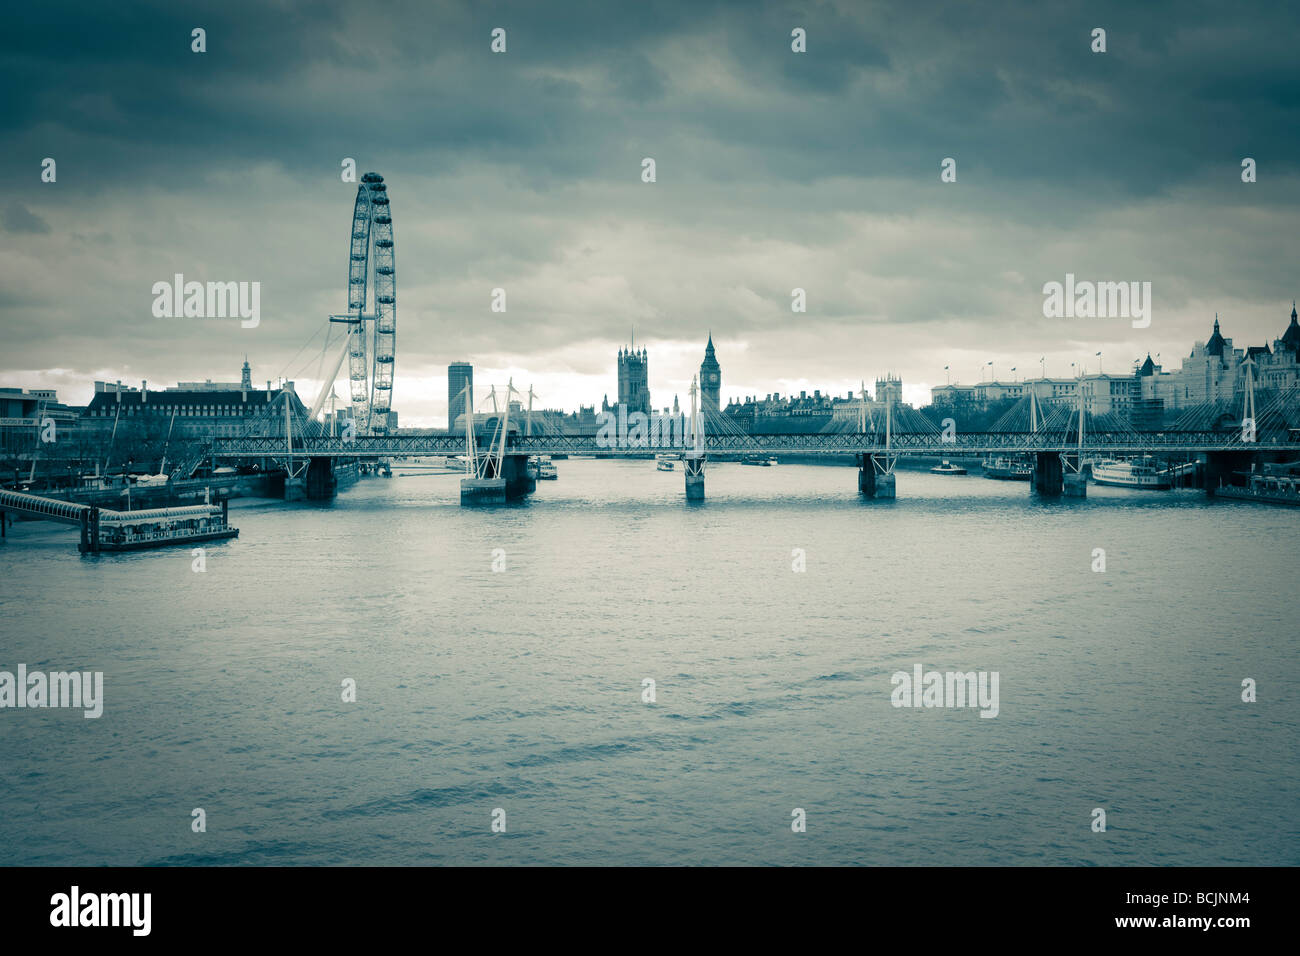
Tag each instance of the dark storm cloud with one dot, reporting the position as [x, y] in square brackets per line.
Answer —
[884, 87]
[775, 170]
[18, 218]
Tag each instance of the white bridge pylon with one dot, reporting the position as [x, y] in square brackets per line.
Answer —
[488, 464]
[1073, 463]
[327, 386]
[697, 422]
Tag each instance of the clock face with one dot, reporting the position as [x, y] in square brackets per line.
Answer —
[713, 378]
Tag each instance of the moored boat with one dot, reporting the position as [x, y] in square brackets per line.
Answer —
[1265, 489]
[947, 468]
[1007, 469]
[1143, 473]
[761, 461]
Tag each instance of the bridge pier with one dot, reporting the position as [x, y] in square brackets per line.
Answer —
[482, 492]
[872, 482]
[693, 463]
[866, 476]
[89, 531]
[514, 469]
[1219, 466]
[1075, 484]
[321, 484]
[514, 482]
[1049, 477]
[316, 482]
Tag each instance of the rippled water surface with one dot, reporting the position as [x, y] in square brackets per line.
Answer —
[522, 689]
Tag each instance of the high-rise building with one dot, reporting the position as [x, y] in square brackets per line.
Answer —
[459, 375]
[634, 380]
[710, 379]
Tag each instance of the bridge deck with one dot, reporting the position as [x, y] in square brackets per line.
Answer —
[839, 443]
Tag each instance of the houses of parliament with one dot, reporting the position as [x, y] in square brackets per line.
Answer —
[634, 382]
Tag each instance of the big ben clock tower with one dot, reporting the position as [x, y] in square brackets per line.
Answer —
[710, 378]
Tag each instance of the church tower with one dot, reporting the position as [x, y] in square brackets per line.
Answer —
[634, 380]
[889, 389]
[710, 379]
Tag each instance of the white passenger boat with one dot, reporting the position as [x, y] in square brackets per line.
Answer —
[1142, 473]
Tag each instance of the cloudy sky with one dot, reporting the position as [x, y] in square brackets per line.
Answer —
[522, 170]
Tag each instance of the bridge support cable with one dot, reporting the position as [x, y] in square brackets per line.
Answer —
[724, 431]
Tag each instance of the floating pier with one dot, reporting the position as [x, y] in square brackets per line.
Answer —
[105, 530]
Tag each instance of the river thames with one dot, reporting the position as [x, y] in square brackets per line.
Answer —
[521, 688]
